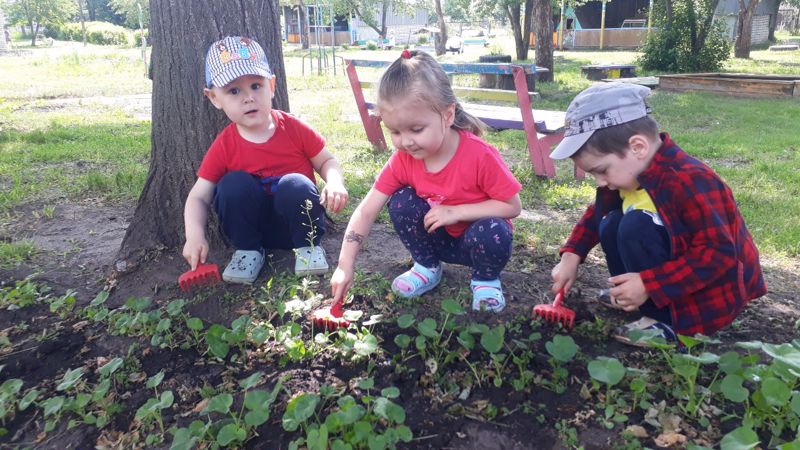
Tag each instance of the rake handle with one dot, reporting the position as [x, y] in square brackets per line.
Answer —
[559, 298]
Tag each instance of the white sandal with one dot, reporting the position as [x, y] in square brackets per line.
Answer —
[244, 267]
[310, 261]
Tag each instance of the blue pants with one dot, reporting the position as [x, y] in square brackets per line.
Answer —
[255, 215]
[632, 243]
[485, 245]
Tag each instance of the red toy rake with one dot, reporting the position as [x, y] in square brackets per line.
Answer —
[330, 318]
[556, 312]
[203, 275]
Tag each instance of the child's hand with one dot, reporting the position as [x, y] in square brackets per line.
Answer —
[439, 216]
[195, 251]
[333, 196]
[565, 272]
[628, 290]
[341, 282]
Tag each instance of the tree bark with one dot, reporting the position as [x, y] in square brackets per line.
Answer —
[744, 29]
[543, 26]
[305, 34]
[520, 27]
[83, 21]
[184, 123]
[442, 37]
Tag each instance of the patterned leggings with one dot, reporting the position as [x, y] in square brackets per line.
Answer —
[485, 245]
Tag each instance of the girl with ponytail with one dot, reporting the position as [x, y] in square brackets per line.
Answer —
[450, 195]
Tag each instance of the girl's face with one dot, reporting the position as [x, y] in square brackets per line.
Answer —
[415, 127]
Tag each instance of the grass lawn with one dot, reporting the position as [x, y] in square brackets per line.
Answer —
[52, 147]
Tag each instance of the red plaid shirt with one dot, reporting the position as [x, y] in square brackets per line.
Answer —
[714, 270]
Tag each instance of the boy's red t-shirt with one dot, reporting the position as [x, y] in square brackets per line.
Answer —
[476, 173]
[289, 150]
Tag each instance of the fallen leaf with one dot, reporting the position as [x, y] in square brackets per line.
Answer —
[670, 422]
[636, 431]
[585, 393]
[669, 439]
[200, 406]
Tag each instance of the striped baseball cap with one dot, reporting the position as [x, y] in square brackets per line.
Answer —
[232, 57]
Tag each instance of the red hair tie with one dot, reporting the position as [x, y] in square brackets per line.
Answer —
[406, 54]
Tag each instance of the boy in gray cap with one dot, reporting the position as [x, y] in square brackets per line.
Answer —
[675, 243]
[259, 171]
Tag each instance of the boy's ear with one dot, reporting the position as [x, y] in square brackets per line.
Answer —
[212, 97]
[272, 85]
[639, 145]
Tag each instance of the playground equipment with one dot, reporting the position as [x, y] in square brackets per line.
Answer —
[316, 27]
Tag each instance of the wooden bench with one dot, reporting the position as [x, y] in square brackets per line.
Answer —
[541, 134]
[597, 72]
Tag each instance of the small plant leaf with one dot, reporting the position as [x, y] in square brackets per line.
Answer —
[101, 298]
[732, 388]
[256, 418]
[317, 438]
[155, 380]
[452, 307]
[607, 370]
[405, 321]
[28, 399]
[251, 381]
[220, 403]
[466, 339]
[775, 391]
[493, 339]
[742, 438]
[194, 324]
[299, 410]
[110, 367]
[562, 348]
[427, 327]
[182, 439]
[390, 392]
[366, 383]
[402, 341]
[70, 378]
[52, 405]
[366, 346]
[231, 433]
[175, 307]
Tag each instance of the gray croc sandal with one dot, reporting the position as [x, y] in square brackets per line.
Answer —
[647, 324]
[310, 261]
[244, 267]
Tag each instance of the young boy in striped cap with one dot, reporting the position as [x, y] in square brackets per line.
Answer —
[259, 172]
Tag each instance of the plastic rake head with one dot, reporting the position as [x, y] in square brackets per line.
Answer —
[331, 318]
[203, 275]
[556, 312]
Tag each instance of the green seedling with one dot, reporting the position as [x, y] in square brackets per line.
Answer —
[10, 402]
[220, 339]
[239, 426]
[433, 340]
[562, 350]
[24, 293]
[96, 311]
[608, 371]
[63, 305]
[150, 411]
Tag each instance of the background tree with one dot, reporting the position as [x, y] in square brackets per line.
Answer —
[519, 14]
[744, 28]
[129, 10]
[184, 123]
[39, 13]
[688, 39]
[441, 36]
[543, 27]
[102, 11]
[79, 4]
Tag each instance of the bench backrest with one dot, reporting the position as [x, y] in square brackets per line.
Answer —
[454, 68]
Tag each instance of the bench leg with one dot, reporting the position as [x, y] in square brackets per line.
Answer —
[372, 124]
[539, 153]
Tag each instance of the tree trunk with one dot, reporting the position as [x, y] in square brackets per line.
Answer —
[543, 24]
[34, 32]
[442, 37]
[305, 34]
[521, 27]
[184, 123]
[90, 10]
[744, 29]
[83, 21]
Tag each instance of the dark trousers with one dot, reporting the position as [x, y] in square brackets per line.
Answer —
[485, 245]
[255, 214]
[632, 243]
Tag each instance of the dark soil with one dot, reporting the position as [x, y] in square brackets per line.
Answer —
[79, 246]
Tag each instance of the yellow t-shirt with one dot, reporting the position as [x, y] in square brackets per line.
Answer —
[638, 199]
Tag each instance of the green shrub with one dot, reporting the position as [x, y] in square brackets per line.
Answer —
[100, 33]
[372, 45]
[137, 37]
[670, 49]
[422, 40]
